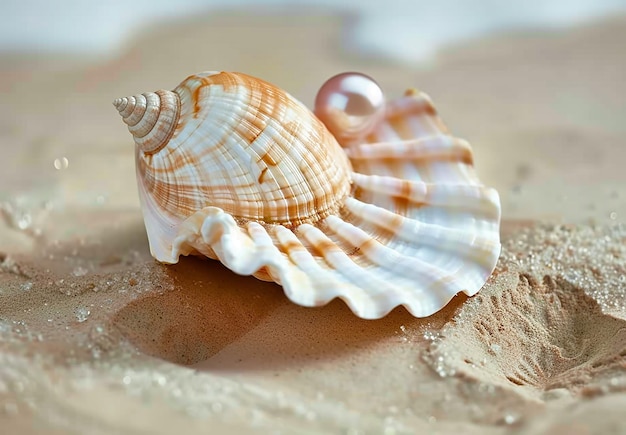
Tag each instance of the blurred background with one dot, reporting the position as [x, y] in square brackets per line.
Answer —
[404, 30]
[536, 86]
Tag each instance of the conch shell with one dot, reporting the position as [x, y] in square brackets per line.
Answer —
[235, 169]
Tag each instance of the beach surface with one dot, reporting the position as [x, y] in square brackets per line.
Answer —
[97, 337]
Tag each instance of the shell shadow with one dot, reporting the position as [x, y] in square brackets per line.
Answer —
[216, 320]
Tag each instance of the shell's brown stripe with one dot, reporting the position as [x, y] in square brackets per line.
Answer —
[176, 159]
[406, 190]
[271, 108]
[401, 201]
[228, 81]
[330, 183]
[273, 104]
[383, 228]
[262, 175]
[321, 248]
[404, 196]
[254, 122]
[273, 162]
[195, 98]
[413, 151]
[452, 155]
[289, 247]
[401, 205]
[189, 198]
[159, 190]
[401, 126]
[420, 106]
[368, 245]
[267, 101]
[269, 160]
[183, 197]
[313, 177]
[379, 232]
[372, 138]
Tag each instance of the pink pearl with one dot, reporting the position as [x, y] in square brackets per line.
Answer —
[350, 105]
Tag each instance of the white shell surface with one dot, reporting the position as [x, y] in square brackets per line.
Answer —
[399, 218]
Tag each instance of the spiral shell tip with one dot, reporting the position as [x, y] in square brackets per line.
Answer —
[119, 103]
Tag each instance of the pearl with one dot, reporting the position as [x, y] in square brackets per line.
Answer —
[350, 105]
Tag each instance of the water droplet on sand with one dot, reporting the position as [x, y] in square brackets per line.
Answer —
[24, 221]
[161, 380]
[430, 335]
[61, 163]
[82, 313]
[79, 271]
[509, 418]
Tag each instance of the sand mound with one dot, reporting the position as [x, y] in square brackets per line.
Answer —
[592, 257]
[543, 339]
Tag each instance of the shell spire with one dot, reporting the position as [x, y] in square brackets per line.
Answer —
[151, 117]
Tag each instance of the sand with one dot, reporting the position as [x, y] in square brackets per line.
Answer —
[96, 337]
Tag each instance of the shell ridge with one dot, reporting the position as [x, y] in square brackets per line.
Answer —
[324, 282]
[214, 227]
[219, 230]
[367, 290]
[225, 236]
[399, 261]
[128, 108]
[476, 198]
[434, 147]
[142, 126]
[434, 236]
[394, 261]
[157, 134]
[137, 113]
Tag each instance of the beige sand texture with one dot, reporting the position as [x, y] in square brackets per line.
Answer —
[96, 337]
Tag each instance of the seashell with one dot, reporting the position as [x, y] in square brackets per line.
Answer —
[235, 169]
